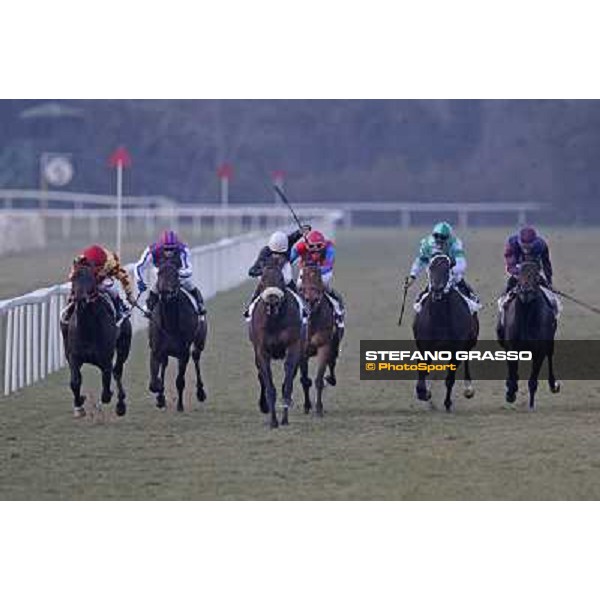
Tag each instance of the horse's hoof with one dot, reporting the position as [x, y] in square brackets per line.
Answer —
[284, 421]
[555, 389]
[532, 408]
[469, 392]
[274, 424]
[331, 380]
[510, 398]
[179, 407]
[154, 388]
[201, 395]
[307, 409]
[448, 407]
[319, 412]
[79, 412]
[121, 409]
[264, 409]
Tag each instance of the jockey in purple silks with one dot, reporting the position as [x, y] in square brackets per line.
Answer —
[167, 247]
[526, 245]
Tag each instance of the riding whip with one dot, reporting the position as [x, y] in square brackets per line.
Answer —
[283, 198]
[403, 302]
[576, 301]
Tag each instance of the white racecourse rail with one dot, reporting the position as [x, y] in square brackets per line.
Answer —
[32, 344]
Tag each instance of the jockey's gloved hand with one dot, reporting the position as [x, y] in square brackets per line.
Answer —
[306, 228]
[141, 286]
[131, 299]
[409, 281]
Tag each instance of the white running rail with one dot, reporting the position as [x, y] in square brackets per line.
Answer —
[31, 342]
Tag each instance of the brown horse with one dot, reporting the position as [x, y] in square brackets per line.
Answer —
[276, 334]
[323, 338]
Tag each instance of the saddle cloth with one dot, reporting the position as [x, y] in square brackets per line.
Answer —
[298, 299]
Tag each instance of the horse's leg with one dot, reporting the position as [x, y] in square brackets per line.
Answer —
[200, 393]
[421, 388]
[335, 350]
[270, 391]
[538, 360]
[180, 381]
[157, 382]
[106, 381]
[450, 380]
[469, 390]
[554, 385]
[78, 399]
[292, 361]
[306, 382]
[512, 381]
[123, 347]
[322, 360]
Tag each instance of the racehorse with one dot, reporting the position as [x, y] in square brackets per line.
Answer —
[174, 328]
[322, 339]
[527, 323]
[91, 335]
[276, 333]
[444, 322]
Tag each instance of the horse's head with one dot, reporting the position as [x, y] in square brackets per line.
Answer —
[528, 281]
[272, 287]
[312, 285]
[167, 283]
[439, 270]
[83, 282]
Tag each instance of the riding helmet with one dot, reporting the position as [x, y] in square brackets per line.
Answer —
[278, 242]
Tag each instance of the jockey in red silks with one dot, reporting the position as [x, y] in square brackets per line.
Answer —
[107, 268]
[168, 246]
[315, 249]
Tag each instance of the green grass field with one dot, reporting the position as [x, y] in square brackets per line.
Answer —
[374, 441]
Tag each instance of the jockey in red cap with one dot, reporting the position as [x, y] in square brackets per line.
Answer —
[168, 245]
[107, 268]
[316, 249]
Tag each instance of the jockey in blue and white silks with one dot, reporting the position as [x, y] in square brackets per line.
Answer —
[168, 246]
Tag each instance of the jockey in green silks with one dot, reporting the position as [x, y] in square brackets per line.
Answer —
[442, 240]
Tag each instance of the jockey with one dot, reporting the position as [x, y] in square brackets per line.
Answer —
[107, 268]
[279, 245]
[526, 245]
[443, 241]
[318, 250]
[167, 246]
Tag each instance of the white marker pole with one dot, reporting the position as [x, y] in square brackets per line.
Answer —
[119, 205]
[224, 191]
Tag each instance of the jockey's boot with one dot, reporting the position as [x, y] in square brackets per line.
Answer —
[66, 313]
[246, 313]
[152, 301]
[121, 309]
[511, 282]
[339, 316]
[294, 289]
[466, 290]
[200, 301]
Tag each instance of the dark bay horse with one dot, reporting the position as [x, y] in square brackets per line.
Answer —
[322, 339]
[527, 323]
[174, 328]
[92, 336]
[444, 322]
[276, 333]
